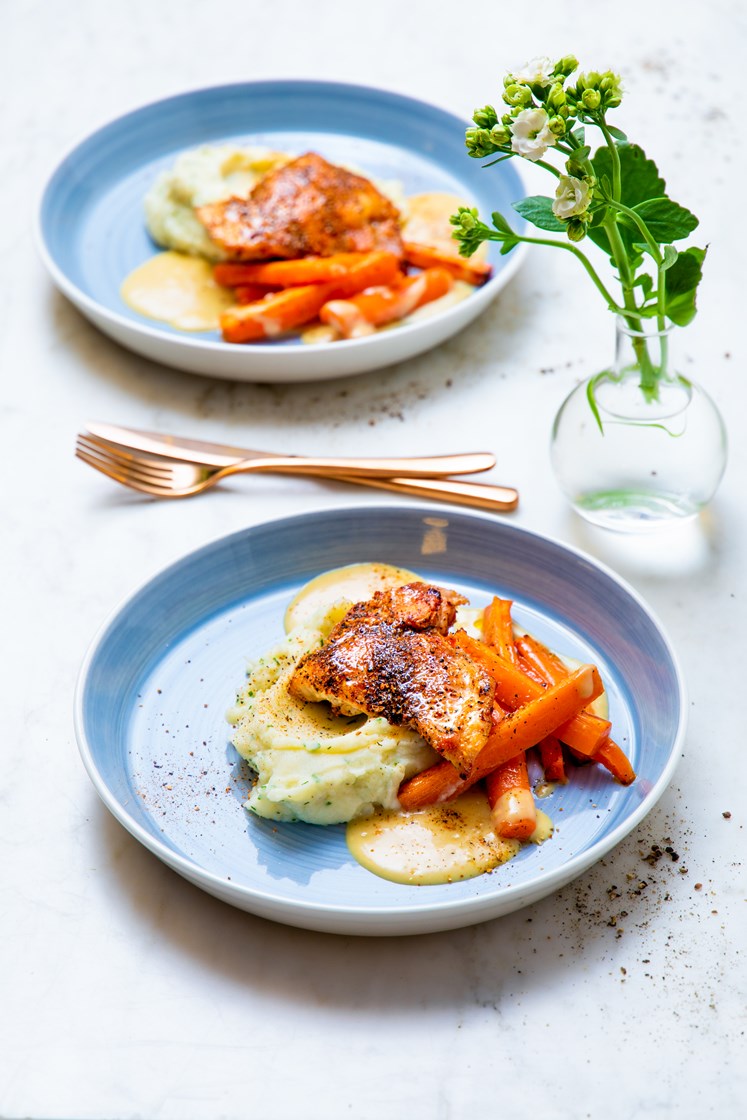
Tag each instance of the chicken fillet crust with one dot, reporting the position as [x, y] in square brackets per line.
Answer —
[390, 657]
[308, 207]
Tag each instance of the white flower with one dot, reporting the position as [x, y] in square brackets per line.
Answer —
[537, 72]
[530, 136]
[572, 197]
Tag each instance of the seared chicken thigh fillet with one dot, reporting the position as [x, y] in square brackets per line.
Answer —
[308, 207]
[390, 657]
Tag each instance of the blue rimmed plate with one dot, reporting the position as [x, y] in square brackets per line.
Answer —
[92, 233]
[152, 696]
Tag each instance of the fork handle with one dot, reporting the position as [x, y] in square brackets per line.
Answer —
[481, 495]
[428, 466]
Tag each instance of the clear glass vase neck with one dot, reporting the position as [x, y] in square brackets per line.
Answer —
[642, 350]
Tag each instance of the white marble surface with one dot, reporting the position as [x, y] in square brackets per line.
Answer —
[127, 993]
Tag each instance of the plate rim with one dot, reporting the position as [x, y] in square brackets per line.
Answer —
[117, 320]
[332, 917]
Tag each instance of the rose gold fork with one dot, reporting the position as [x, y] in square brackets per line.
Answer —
[181, 478]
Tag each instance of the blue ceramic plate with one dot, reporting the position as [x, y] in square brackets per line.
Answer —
[156, 684]
[92, 231]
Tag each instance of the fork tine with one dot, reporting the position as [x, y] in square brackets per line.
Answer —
[120, 470]
[110, 469]
[127, 470]
[123, 455]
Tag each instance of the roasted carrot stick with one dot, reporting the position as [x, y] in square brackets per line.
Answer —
[360, 314]
[533, 721]
[250, 293]
[518, 731]
[543, 660]
[530, 670]
[287, 274]
[616, 761]
[514, 688]
[553, 763]
[273, 315]
[510, 798]
[292, 307]
[553, 669]
[426, 256]
[497, 628]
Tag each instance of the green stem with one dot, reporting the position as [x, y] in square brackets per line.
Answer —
[653, 245]
[614, 307]
[631, 314]
[548, 167]
[614, 156]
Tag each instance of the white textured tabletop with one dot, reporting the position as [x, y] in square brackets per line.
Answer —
[125, 992]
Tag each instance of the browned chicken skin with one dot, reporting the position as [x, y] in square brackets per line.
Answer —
[308, 207]
[390, 657]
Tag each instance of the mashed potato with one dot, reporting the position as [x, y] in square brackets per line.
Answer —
[199, 176]
[313, 766]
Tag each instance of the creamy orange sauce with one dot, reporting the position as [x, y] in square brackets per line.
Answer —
[177, 289]
[350, 584]
[440, 844]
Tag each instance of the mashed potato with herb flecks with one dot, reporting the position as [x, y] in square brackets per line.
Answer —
[207, 174]
[313, 766]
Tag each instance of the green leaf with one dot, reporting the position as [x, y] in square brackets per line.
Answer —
[670, 255]
[537, 209]
[666, 220]
[645, 283]
[680, 284]
[639, 177]
[639, 181]
[500, 223]
[616, 133]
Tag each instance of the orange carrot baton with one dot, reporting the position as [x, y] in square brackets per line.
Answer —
[514, 688]
[553, 669]
[293, 307]
[510, 798]
[360, 314]
[275, 314]
[250, 293]
[426, 256]
[553, 763]
[518, 731]
[497, 628]
[616, 761]
[287, 274]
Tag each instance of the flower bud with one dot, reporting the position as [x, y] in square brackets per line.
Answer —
[576, 229]
[465, 219]
[486, 117]
[517, 95]
[565, 66]
[479, 142]
[556, 126]
[591, 99]
[556, 97]
[500, 134]
[611, 90]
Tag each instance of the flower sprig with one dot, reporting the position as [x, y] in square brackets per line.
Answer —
[615, 197]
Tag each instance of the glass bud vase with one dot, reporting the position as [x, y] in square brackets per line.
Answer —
[638, 445]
